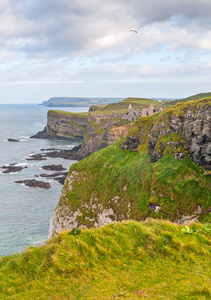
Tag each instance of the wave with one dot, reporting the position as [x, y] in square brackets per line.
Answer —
[36, 241]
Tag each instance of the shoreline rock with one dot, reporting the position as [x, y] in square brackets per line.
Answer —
[38, 156]
[58, 176]
[53, 168]
[13, 140]
[35, 183]
[12, 168]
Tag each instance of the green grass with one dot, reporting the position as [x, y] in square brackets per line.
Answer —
[177, 186]
[128, 260]
[140, 101]
[123, 105]
[191, 98]
[68, 114]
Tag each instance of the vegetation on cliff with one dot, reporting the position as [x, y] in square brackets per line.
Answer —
[160, 169]
[129, 260]
[123, 105]
[64, 125]
[190, 98]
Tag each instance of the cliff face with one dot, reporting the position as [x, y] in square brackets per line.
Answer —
[184, 130]
[161, 169]
[99, 136]
[64, 125]
[75, 127]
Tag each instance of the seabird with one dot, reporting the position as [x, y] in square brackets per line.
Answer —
[135, 30]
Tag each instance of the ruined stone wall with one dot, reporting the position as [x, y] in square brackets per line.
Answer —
[132, 115]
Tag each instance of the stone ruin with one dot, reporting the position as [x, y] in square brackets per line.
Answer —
[132, 114]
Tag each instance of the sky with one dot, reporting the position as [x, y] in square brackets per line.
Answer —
[84, 48]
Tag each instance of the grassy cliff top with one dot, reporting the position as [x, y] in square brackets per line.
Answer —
[177, 186]
[123, 105]
[196, 97]
[139, 101]
[191, 98]
[129, 260]
[67, 113]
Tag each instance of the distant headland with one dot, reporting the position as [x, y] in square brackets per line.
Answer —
[78, 101]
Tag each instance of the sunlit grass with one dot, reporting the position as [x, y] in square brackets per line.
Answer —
[152, 259]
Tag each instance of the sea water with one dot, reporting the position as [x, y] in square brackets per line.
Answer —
[25, 212]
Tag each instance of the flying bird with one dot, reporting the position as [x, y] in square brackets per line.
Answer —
[135, 30]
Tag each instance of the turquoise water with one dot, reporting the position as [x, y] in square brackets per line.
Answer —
[25, 212]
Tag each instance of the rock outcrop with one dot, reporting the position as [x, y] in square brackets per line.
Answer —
[53, 168]
[12, 168]
[63, 125]
[102, 135]
[13, 140]
[186, 132]
[75, 127]
[160, 169]
[35, 183]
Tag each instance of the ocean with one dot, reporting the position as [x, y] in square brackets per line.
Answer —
[25, 212]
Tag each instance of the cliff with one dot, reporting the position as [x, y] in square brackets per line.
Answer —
[75, 127]
[102, 135]
[160, 169]
[64, 125]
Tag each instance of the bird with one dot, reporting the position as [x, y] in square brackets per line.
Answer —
[135, 30]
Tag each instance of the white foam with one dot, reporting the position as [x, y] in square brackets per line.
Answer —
[33, 241]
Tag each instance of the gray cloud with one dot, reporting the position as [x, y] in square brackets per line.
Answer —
[68, 40]
[68, 26]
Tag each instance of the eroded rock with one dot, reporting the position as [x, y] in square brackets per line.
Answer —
[35, 183]
[190, 131]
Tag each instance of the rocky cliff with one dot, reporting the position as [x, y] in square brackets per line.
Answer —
[75, 127]
[64, 125]
[102, 135]
[160, 169]
[184, 131]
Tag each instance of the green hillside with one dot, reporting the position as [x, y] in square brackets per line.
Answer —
[129, 260]
[196, 97]
[78, 101]
[131, 183]
[191, 98]
[123, 105]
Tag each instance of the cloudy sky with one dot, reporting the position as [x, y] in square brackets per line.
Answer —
[85, 48]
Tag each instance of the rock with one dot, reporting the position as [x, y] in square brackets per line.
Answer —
[53, 168]
[49, 149]
[61, 179]
[72, 154]
[35, 183]
[179, 155]
[75, 127]
[64, 126]
[13, 140]
[58, 176]
[37, 157]
[12, 169]
[99, 136]
[154, 207]
[131, 143]
[190, 131]
[187, 219]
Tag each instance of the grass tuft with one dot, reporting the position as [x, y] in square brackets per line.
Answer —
[129, 259]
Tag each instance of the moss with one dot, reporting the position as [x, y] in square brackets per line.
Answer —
[178, 186]
[73, 201]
